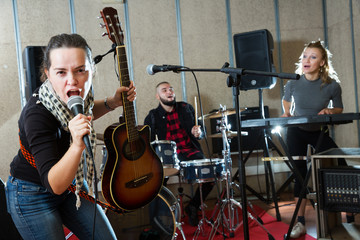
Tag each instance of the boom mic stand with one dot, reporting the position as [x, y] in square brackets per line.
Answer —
[233, 81]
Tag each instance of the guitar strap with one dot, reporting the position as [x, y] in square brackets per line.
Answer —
[30, 158]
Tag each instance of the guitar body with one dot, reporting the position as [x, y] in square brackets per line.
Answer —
[109, 165]
[133, 173]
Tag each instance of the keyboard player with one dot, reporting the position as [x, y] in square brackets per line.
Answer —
[316, 92]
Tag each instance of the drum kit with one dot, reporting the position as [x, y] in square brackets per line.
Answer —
[195, 171]
[164, 212]
[206, 170]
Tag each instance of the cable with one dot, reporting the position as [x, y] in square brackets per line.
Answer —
[209, 154]
[96, 198]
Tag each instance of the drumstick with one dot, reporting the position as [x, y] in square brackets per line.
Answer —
[156, 138]
[196, 119]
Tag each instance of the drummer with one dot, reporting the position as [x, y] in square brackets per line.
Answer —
[175, 121]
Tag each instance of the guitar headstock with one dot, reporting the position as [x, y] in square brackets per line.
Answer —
[112, 24]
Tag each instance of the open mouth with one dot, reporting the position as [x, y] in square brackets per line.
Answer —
[73, 93]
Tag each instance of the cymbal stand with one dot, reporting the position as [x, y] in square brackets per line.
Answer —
[203, 219]
[226, 203]
[229, 202]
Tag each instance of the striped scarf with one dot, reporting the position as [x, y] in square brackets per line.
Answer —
[63, 114]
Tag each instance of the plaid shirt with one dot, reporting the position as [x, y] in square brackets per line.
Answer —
[177, 134]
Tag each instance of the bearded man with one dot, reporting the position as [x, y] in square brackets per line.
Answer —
[175, 121]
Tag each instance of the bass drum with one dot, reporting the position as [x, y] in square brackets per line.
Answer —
[157, 220]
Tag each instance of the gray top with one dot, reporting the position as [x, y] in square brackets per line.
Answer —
[310, 97]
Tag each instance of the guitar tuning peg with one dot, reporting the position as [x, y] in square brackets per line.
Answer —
[102, 25]
[99, 17]
[104, 34]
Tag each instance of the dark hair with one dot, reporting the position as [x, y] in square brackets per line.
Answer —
[60, 41]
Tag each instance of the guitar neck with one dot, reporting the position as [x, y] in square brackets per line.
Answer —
[124, 79]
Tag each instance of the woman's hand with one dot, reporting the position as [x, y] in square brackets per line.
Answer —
[330, 111]
[79, 126]
[286, 115]
[116, 100]
[104, 106]
[63, 172]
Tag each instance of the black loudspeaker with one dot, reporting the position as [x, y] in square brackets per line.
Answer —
[8, 230]
[253, 51]
[32, 58]
[253, 141]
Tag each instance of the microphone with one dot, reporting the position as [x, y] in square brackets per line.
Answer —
[289, 76]
[98, 58]
[76, 105]
[151, 69]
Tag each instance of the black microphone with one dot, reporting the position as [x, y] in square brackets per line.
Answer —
[152, 69]
[98, 58]
[76, 105]
[289, 76]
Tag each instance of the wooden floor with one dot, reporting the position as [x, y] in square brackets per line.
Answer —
[287, 207]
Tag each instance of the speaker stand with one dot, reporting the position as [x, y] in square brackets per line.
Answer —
[269, 174]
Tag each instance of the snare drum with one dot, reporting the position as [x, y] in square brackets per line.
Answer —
[166, 151]
[203, 170]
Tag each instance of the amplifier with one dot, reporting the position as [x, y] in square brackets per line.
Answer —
[339, 189]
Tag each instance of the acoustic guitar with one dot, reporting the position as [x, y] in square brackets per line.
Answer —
[133, 173]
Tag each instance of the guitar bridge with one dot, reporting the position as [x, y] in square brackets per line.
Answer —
[139, 181]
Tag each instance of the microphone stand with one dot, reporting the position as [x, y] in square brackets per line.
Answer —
[233, 81]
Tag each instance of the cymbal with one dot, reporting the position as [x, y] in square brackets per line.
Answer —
[219, 113]
[229, 134]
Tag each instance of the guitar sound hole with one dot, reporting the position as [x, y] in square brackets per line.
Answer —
[133, 150]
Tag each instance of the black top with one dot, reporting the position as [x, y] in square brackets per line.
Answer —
[41, 134]
[156, 119]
